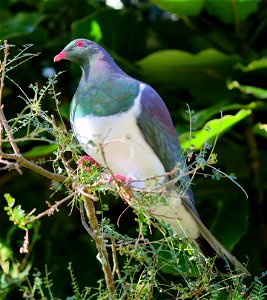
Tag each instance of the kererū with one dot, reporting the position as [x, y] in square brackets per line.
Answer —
[129, 117]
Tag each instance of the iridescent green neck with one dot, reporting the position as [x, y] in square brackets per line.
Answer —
[103, 90]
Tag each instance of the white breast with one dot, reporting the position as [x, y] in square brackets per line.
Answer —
[125, 149]
[126, 152]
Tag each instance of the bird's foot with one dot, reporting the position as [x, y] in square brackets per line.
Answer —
[87, 161]
[120, 178]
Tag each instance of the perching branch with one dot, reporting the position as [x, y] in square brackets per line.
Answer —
[98, 238]
[32, 166]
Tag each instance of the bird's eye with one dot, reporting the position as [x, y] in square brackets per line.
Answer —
[79, 43]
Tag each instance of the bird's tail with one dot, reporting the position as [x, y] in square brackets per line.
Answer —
[210, 246]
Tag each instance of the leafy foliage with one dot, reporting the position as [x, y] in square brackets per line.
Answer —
[210, 54]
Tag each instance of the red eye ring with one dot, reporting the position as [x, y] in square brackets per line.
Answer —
[79, 43]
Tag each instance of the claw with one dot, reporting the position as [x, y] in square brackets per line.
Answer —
[121, 178]
[85, 160]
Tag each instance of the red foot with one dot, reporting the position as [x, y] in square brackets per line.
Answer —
[121, 178]
[87, 160]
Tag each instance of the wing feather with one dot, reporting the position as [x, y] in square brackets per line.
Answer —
[158, 130]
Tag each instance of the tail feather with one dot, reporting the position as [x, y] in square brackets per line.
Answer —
[219, 249]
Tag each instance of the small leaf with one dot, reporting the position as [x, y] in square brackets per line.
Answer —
[247, 89]
[202, 116]
[252, 66]
[18, 214]
[10, 200]
[95, 33]
[260, 129]
[216, 127]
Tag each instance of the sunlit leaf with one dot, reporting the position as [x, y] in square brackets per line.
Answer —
[9, 199]
[260, 129]
[254, 65]
[211, 130]
[199, 118]
[247, 89]
[95, 32]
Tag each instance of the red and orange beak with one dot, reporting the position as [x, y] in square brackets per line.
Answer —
[60, 56]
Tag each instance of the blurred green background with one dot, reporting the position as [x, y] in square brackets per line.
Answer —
[208, 54]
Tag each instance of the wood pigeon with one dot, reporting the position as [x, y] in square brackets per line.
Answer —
[131, 120]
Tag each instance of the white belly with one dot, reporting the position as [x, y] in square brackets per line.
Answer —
[126, 152]
[125, 149]
[177, 216]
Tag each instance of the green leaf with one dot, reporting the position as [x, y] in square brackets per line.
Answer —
[201, 117]
[95, 32]
[40, 150]
[260, 129]
[253, 66]
[247, 89]
[209, 68]
[232, 11]
[212, 129]
[92, 27]
[18, 214]
[21, 24]
[180, 7]
[9, 199]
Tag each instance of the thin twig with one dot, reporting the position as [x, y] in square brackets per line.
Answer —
[32, 166]
[2, 115]
[54, 207]
[85, 194]
[7, 165]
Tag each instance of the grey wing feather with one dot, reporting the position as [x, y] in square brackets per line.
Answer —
[159, 132]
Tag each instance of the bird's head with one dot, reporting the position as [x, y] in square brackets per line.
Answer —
[78, 51]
